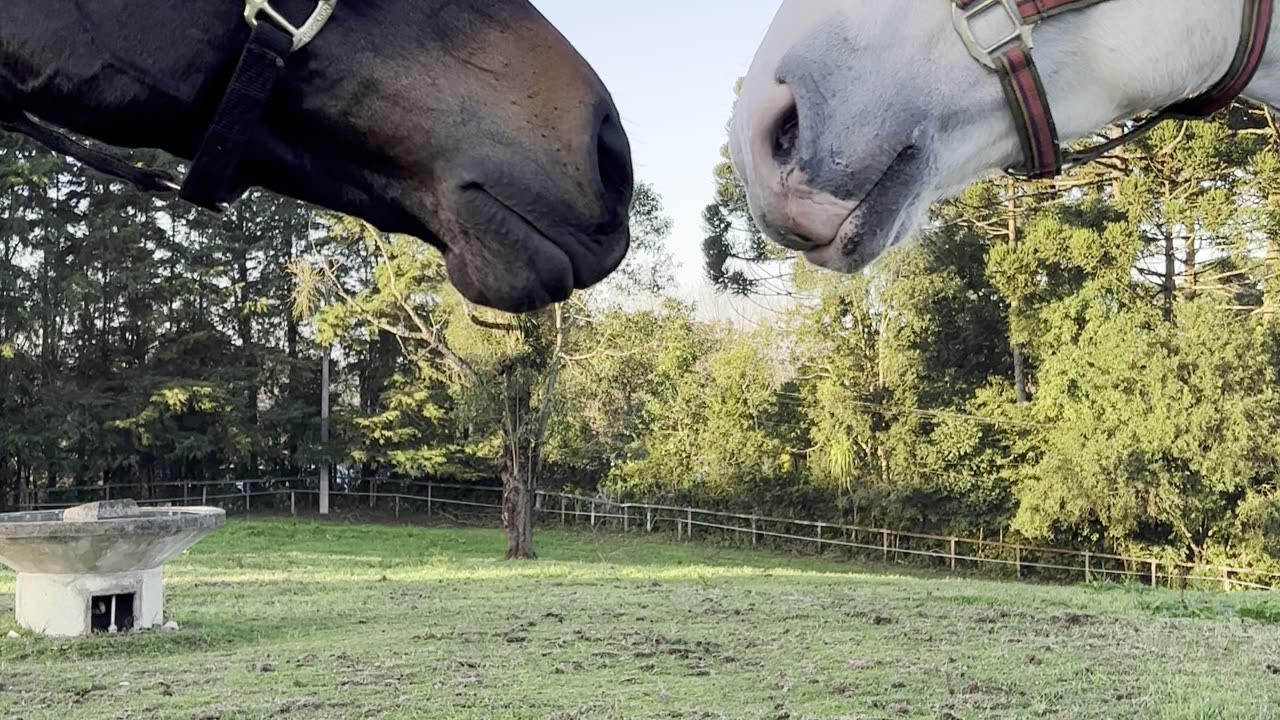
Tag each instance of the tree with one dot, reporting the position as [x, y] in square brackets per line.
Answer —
[496, 377]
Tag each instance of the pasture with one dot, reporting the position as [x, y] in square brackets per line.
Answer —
[299, 619]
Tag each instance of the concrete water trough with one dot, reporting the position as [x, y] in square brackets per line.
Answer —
[97, 567]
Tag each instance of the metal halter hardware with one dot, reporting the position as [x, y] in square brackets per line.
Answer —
[301, 36]
[986, 54]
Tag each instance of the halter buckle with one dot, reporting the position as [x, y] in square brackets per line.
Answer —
[963, 18]
[301, 36]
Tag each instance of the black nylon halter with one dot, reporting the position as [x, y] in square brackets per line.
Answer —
[210, 181]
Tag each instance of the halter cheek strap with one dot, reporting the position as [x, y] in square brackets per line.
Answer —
[210, 182]
[1011, 58]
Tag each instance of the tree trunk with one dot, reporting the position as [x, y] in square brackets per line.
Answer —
[517, 508]
[1169, 293]
[524, 434]
[1271, 288]
[1190, 278]
[248, 351]
[1020, 375]
[519, 462]
[1019, 357]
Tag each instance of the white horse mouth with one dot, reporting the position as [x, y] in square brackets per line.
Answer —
[878, 220]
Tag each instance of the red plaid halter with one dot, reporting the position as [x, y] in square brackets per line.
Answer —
[1011, 58]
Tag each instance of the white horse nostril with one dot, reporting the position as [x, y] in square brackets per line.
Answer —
[787, 136]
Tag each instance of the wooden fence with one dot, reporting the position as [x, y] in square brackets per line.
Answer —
[956, 554]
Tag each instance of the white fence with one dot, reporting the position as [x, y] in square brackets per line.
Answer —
[299, 496]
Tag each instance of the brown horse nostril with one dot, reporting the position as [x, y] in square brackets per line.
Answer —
[613, 153]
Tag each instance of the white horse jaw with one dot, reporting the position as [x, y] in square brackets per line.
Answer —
[856, 115]
[837, 144]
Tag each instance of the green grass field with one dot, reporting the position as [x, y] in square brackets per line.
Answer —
[304, 620]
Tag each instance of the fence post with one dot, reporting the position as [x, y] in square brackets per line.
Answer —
[819, 538]
[593, 513]
[690, 531]
[562, 504]
[1017, 560]
[953, 554]
[429, 499]
[886, 545]
[1155, 574]
[1226, 579]
[246, 498]
[204, 494]
[397, 505]
[626, 518]
[293, 508]
[1088, 569]
[753, 531]
[373, 492]
[648, 519]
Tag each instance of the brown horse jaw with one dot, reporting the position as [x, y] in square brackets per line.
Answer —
[502, 258]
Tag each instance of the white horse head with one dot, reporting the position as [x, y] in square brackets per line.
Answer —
[857, 115]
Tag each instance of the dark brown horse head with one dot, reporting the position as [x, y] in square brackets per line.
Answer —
[472, 124]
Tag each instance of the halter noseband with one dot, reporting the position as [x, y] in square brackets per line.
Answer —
[1011, 59]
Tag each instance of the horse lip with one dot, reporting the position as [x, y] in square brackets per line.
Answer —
[845, 228]
[523, 218]
[529, 224]
[844, 256]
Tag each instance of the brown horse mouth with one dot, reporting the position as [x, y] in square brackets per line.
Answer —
[509, 261]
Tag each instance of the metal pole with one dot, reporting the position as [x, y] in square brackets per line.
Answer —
[324, 430]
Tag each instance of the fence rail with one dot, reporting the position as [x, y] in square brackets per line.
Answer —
[950, 553]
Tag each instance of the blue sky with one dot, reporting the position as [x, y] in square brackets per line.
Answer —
[671, 66]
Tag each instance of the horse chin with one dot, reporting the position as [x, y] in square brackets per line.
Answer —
[889, 215]
[500, 258]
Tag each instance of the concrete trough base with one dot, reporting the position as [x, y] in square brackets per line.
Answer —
[77, 605]
[97, 568]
